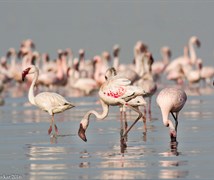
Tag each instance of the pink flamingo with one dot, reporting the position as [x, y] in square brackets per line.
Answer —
[125, 70]
[116, 91]
[171, 100]
[50, 102]
[146, 81]
[158, 67]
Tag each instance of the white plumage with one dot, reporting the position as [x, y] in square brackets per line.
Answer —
[47, 101]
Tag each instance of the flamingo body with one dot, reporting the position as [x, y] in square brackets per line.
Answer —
[50, 102]
[171, 100]
[115, 91]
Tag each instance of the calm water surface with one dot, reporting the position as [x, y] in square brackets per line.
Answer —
[28, 152]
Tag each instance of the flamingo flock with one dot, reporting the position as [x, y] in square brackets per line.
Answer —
[115, 84]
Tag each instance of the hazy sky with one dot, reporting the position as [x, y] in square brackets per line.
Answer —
[98, 25]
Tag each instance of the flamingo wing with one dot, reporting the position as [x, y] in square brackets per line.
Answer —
[118, 88]
[48, 100]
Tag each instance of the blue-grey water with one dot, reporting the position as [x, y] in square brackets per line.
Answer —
[28, 152]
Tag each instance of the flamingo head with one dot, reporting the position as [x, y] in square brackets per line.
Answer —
[29, 70]
[116, 50]
[173, 135]
[82, 129]
[25, 72]
[195, 41]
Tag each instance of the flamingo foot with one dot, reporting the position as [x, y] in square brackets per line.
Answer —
[56, 129]
[50, 130]
[81, 133]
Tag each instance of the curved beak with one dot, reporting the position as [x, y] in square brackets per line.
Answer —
[81, 133]
[24, 73]
[198, 43]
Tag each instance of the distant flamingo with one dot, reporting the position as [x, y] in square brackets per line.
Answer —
[146, 81]
[158, 67]
[171, 100]
[115, 91]
[50, 102]
[125, 70]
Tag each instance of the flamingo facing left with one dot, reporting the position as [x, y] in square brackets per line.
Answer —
[47, 101]
[115, 91]
[171, 100]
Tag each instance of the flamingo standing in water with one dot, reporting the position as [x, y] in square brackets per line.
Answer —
[50, 102]
[116, 91]
[171, 100]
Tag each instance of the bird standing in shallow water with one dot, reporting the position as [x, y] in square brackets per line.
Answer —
[47, 101]
[116, 91]
[171, 100]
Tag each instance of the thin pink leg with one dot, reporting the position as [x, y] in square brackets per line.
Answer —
[56, 129]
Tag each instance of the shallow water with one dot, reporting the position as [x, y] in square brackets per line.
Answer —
[28, 152]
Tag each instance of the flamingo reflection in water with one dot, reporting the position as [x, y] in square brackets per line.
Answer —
[116, 91]
[50, 102]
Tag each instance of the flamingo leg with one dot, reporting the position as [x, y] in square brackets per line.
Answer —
[149, 108]
[51, 124]
[55, 127]
[144, 124]
[139, 116]
[121, 123]
[176, 120]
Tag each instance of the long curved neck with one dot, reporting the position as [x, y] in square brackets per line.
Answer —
[192, 52]
[31, 96]
[85, 120]
[166, 121]
[102, 115]
[165, 58]
[116, 62]
[139, 64]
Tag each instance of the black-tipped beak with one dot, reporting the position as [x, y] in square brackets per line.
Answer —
[81, 133]
[24, 73]
[198, 43]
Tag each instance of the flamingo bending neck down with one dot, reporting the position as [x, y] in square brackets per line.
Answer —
[116, 91]
[50, 102]
[171, 100]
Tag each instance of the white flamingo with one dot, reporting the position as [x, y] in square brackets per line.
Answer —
[171, 100]
[50, 102]
[116, 91]
[135, 102]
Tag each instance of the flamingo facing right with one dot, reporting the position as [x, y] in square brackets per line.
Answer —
[171, 100]
[115, 91]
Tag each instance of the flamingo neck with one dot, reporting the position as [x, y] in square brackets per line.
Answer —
[31, 96]
[192, 52]
[102, 115]
[166, 121]
[105, 110]
[139, 65]
[116, 63]
[13, 62]
[165, 58]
